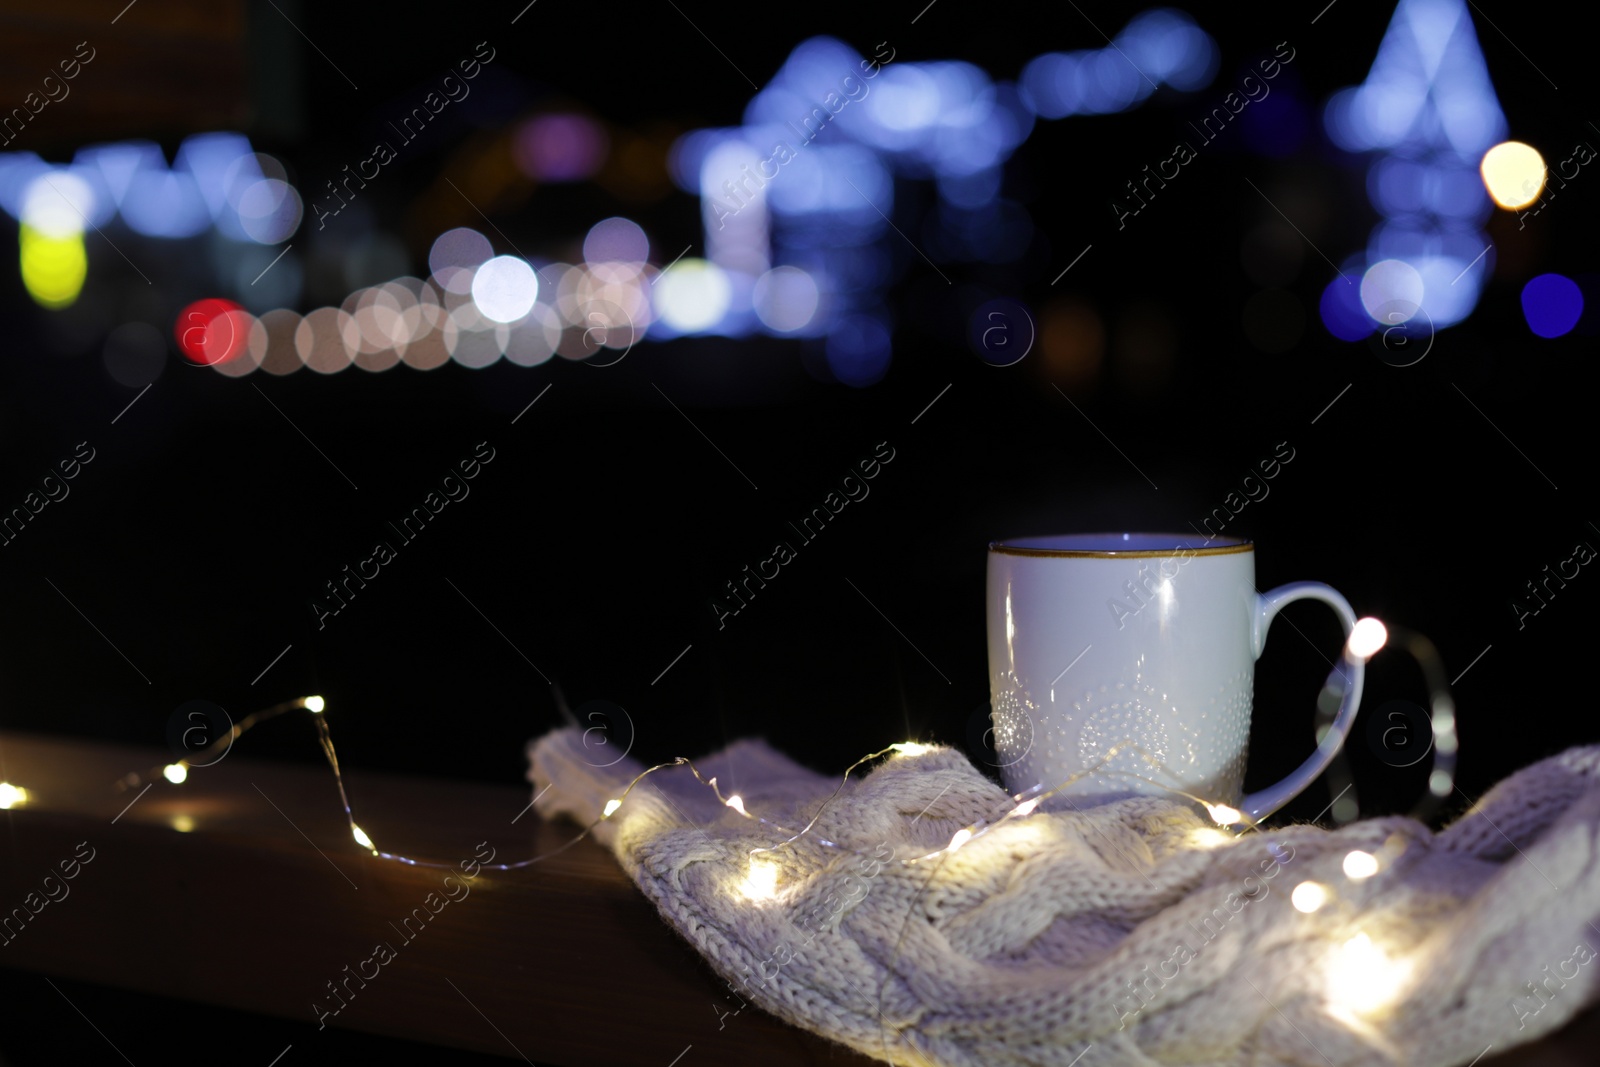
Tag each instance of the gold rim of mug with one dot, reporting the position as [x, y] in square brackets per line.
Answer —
[1239, 545]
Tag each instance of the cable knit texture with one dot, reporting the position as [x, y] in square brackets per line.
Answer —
[1130, 933]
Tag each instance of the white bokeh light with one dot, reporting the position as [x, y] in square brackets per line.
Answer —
[57, 203]
[1368, 636]
[1391, 291]
[505, 288]
[269, 211]
[785, 299]
[692, 295]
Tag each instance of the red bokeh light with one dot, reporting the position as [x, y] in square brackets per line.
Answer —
[208, 332]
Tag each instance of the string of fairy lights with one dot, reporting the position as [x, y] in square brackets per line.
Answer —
[760, 881]
[1368, 637]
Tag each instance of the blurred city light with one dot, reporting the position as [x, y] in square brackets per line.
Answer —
[1391, 291]
[269, 211]
[1428, 107]
[53, 268]
[1514, 174]
[207, 333]
[231, 341]
[858, 350]
[798, 203]
[119, 163]
[215, 183]
[1342, 311]
[505, 288]
[472, 339]
[1552, 304]
[163, 203]
[692, 295]
[321, 338]
[806, 185]
[1163, 46]
[456, 254]
[560, 147]
[785, 299]
[57, 204]
[616, 240]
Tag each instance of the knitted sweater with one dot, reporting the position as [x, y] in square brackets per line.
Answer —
[1130, 933]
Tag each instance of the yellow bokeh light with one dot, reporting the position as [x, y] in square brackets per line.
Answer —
[11, 796]
[175, 773]
[315, 704]
[1513, 173]
[53, 268]
[182, 823]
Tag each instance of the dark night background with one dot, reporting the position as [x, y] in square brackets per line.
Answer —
[205, 525]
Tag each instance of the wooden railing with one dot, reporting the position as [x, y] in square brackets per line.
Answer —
[243, 888]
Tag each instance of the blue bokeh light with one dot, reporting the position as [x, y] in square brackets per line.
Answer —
[118, 163]
[1159, 47]
[1429, 108]
[17, 172]
[1552, 304]
[858, 350]
[1342, 313]
[832, 135]
[131, 179]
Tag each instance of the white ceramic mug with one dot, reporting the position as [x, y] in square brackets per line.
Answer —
[1125, 663]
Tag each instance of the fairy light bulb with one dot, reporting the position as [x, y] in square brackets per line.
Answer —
[1208, 838]
[361, 837]
[1360, 864]
[736, 802]
[611, 807]
[1308, 896]
[1362, 978]
[912, 748]
[1224, 815]
[11, 796]
[962, 836]
[761, 881]
[1025, 808]
[176, 773]
[315, 704]
[1367, 637]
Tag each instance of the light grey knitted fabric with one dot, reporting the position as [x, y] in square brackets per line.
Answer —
[1132, 933]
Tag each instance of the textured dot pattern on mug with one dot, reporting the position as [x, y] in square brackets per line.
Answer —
[1156, 741]
[1013, 718]
[1231, 733]
[1132, 718]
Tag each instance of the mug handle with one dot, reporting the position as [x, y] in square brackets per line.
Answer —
[1257, 806]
